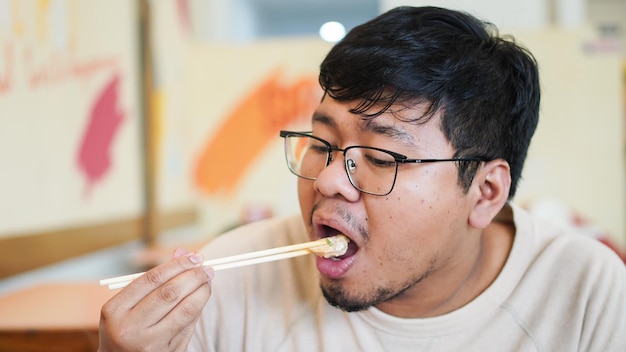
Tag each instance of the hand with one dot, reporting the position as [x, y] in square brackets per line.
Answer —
[159, 310]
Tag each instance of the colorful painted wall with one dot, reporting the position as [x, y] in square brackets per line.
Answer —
[69, 114]
[218, 108]
[237, 107]
[70, 132]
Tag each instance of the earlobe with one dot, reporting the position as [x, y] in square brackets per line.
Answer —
[493, 182]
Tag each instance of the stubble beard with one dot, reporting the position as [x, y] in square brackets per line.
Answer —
[336, 294]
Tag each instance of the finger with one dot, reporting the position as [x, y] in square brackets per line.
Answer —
[127, 318]
[179, 252]
[130, 331]
[163, 299]
[181, 321]
[141, 287]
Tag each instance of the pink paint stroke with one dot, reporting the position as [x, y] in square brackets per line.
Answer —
[184, 15]
[94, 158]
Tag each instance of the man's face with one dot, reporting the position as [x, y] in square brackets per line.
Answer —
[403, 245]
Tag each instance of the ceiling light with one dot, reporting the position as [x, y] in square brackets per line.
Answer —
[332, 31]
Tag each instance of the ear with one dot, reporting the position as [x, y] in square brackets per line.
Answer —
[491, 185]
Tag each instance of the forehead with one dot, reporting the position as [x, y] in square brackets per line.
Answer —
[399, 122]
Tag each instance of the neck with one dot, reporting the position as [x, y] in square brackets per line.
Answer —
[460, 281]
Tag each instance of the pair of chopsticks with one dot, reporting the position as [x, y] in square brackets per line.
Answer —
[234, 261]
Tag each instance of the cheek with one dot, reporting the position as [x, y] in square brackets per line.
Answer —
[423, 217]
[414, 218]
[431, 192]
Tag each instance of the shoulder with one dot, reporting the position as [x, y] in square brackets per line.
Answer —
[540, 239]
[555, 262]
[545, 238]
[564, 276]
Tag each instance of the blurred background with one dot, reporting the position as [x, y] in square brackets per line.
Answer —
[128, 128]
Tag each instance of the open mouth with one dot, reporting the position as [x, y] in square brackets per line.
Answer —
[336, 268]
[327, 231]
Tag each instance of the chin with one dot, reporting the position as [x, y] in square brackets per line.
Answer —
[336, 295]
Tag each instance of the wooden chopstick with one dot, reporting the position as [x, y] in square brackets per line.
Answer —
[238, 260]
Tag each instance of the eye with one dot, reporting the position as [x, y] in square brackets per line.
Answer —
[380, 159]
[319, 148]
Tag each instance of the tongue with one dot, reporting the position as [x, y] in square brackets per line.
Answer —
[352, 248]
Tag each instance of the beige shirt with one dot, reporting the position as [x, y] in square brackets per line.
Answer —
[557, 292]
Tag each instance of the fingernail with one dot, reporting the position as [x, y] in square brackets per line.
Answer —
[178, 252]
[209, 272]
[195, 258]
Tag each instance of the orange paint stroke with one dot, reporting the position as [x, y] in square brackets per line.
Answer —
[252, 125]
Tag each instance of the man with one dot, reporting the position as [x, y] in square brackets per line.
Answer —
[414, 153]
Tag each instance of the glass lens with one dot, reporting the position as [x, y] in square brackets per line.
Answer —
[371, 170]
[306, 156]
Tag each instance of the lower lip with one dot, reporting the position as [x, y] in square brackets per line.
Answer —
[334, 269]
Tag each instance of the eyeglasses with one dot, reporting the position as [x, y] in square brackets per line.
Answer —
[370, 170]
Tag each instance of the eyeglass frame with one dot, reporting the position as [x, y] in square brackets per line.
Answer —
[398, 158]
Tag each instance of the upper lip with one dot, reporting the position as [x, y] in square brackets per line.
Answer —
[326, 227]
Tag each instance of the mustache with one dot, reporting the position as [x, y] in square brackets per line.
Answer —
[353, 223]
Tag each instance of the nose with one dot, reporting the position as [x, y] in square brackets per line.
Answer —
[333, 180]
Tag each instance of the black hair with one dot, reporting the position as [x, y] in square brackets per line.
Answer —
[486, 87]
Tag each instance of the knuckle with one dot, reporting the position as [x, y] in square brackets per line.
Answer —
[154, 276]
[109, 314]
[189, 311]
[200, 275]
[168, 293]
[106, 311]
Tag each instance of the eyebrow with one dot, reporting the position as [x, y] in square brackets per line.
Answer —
[396, 133]
[323, 119]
